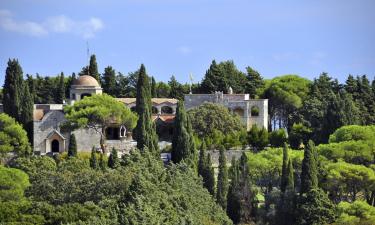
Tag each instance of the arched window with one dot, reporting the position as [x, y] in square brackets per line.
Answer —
[239, 111]
[254, 111]
[166, 110]
[155, 110]
[55, 146]
[85, 95]
[122, 131]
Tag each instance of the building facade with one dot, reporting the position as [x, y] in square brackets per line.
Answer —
[251, 111]
[50, 137]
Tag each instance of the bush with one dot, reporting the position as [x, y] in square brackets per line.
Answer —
[209, 118]
[353, 133]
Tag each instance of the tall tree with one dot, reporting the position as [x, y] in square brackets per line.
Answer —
[145, 132]
[175, 89]
[240, 195]
[213, 80]
[27, 109]
[113, 160]
[284, 170]
[93, 68]
[222, 180]
[153, 88]
[254, 82]
[102, 164]
[205, 169]
[72, 149]
[60, 92]
[109, 81]
[309, 174]
[290, 178]
[12, 89]
[93, 159]
[182, 141]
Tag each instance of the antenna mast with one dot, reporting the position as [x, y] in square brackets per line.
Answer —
[88, 57]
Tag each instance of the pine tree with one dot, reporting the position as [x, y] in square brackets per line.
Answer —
[153, 88]
[182, 147]
[93, 68]
[214, 80]
[351, 86]
[222, 180]
[145, 131]
[60, 92]
[27, 108]
[93, 159]
[30, 81]
[254, 82]
[309, 174]
[113, 160]
[176, 89]
[102, 164]
[12, 90]
[284, 170]
[72, 150]
[205, 169]
[109, 81]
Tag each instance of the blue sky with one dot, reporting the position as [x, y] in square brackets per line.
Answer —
[183, 36]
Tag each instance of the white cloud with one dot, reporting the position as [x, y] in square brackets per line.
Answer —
[26, 27]
[184, 50]
[57, 24]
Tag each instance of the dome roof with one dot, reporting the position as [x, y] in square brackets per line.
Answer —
[86, 80]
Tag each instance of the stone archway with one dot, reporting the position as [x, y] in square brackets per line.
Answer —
[55, 146]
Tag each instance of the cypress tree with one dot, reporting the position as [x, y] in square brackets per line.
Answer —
[145, 132]
[93, 159]
[210, 178]
[240, 196]
[183, 147]
[113, 160]
[93, 68]
[222, 180]
[202, 167]
[309, 174]
[60, 93]
[109, 81]
[72, 150]
[153, 88]
[27, 108]
[12, 89]
[102, 165]
[284, 170]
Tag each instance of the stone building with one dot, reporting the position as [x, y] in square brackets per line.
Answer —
[50, 138]
[251, 111]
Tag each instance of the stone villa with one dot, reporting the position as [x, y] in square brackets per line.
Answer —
[49, 138]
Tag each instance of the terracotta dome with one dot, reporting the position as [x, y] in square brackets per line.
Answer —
[86, 80]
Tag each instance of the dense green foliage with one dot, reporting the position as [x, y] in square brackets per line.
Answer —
[258, 137]
[139, 191]
[209, 117]
[183, 146]
[222, 180]
[309, 174]
[205, 170]
[98, 112]
[145, 131]
[13, 138]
